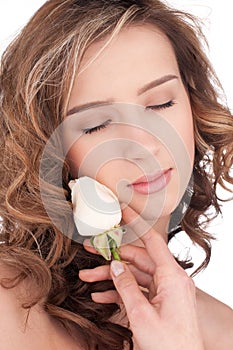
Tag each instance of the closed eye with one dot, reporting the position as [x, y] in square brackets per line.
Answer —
[97, 127]
[162, 106]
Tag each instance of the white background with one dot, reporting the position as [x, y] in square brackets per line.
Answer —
[217, 279]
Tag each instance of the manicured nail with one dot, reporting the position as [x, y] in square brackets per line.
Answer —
[123, 206]
[117, 267]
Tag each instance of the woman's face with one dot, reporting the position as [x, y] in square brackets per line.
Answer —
[134, 120]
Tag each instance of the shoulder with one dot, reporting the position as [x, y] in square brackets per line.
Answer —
[216, 322]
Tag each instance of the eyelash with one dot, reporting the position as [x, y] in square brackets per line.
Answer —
[97, 128]
[107, 122]
[162, 106]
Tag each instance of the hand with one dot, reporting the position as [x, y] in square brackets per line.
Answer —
[139, 263]
[168, 320]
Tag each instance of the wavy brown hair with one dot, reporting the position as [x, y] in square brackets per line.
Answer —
[37, 73]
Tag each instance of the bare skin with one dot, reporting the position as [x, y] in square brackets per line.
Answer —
[174, 312]
[174, 315]
[23, 330]
[214, 319]
[191, 318]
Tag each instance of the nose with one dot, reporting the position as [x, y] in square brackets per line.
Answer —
[139, 144]
[138, 132]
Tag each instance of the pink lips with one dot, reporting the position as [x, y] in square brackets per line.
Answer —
[152, 183]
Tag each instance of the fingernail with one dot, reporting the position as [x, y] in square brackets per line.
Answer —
[117, 267]
[82, 274]
[96, 296]
[123, 205]
[87, 242]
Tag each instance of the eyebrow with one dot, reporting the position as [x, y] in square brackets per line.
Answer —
[141, 91]
[156, 82]
[88, 105]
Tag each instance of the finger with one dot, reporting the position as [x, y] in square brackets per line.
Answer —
[99, 273]
[135, 302]
[102, 273]
[139, 257]
[109, 296]
[136, 255]
[154, 243]
[143, 279]
[143, 269]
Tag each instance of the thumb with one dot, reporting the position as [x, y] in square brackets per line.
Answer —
[128, 289]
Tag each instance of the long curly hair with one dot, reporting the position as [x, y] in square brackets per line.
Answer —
[37, 72]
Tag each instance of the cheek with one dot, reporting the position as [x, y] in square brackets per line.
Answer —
[92, 159]
[115, 174]
[75, 158]
[185, 129]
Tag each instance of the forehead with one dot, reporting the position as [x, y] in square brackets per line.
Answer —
[134, 57]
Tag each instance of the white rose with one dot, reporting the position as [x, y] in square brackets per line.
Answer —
[95, 207]
[97, 213]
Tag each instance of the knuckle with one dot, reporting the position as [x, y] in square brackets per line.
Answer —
[183, 278]
[187, 282]
[191, 284]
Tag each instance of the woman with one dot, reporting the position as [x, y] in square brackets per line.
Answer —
[129, 54]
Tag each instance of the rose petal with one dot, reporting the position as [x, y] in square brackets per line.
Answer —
[95, 207]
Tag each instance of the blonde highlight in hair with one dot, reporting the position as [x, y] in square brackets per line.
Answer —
[34, 97]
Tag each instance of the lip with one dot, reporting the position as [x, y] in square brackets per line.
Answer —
[152, 183]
